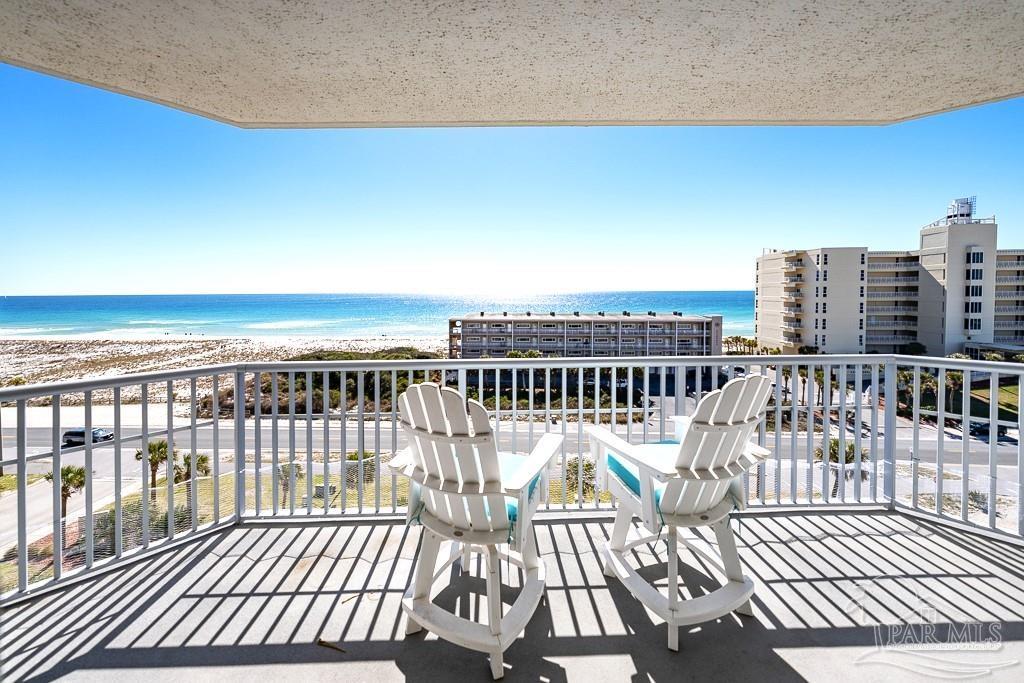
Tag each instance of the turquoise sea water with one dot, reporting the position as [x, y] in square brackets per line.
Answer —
[326, 315]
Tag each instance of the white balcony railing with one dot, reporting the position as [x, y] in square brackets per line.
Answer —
[1009, 279]
[889, 280]
[879, 310]
[893, 265]
[274, 455]
[892, 295]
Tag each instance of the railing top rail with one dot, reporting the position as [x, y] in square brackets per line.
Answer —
[27, 391]
[109, 382]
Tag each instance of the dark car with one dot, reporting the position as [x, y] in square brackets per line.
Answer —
[981, 429]
[76, 437]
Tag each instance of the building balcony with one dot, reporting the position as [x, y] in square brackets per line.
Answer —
[1009, 265]
[1010, 309]
[251, 574]
[793, 265]
[1009, 294]
[1010, 279]
[895, 279]
[1009, 324]
[880, 310]
[893, 265]
[874, 325]
[892, 295]
[890, 338]
[1008, 338]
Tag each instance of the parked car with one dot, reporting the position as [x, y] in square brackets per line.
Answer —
[980, 429]
[76, 437]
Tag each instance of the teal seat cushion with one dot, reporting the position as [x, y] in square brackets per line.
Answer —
[629, 473]
[509, 463]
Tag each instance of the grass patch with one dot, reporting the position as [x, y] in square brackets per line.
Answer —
[9, 482]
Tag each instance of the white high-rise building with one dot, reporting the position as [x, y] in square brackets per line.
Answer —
[956, 292]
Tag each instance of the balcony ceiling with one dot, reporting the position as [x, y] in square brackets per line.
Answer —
[549, 62]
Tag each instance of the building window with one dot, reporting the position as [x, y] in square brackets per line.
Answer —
[824, 307]
[817, 259]
[823, 338]
[815, 306]
[972, 290]
[861, 306]
[978, 257]
[862, 291]
[862, 259]
[815, 323]
[817, 275]
[860, 339]
[826, 259]
[824, 291]
[862, 276]
[815, 291]
[972, 307]
[824, 323]
[861, 324]
[824, 276]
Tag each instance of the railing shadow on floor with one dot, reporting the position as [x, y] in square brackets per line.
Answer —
[262, 594]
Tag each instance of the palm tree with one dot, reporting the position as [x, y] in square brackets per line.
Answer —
[72, 480]
[157, 456]
[955, 379]
[849, 459]
[787, 373]
[285, 472]
[183, 472]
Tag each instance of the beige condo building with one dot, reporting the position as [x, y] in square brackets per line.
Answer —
[956, 292]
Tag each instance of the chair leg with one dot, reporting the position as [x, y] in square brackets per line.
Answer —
[673, 587]
[467, 557]
[429, 547]
[497, 665]
[619, 531]
[731, 559]
[493, 590]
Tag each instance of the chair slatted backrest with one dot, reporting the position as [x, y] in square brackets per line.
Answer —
[455, 456]
[722, 424]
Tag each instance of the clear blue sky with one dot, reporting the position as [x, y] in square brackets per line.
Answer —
[102, 193]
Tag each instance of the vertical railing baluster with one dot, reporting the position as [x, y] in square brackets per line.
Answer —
[858, 415]
[940, 450]
[614, 399]
[915, 455]
[891, 399]
[292, 478]
[1020, 455]
[794, 421]
[811, 400]
[343, 502]
[629, 404]
[309, 442]
[873, 486]
[21, 450]
[90, 485]
[579, 438]
[144, 464]
[275, 464]
[647, 399]
[193, 439]
[169, 462]
[376, 439]
[841, 424]
[515, 409]
[257, 440]
[394, 434]
[56, 444]
[993, 445]
[965, 444]
[239, 434]
[118, 512]
[778, 432]
[826, 430]
[497, 406]
[661, 407]
[326, 393]
[529, 410]
[565, 429]
[361, 432]
[215, 409]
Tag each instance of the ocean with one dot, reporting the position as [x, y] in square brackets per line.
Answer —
[355, 316]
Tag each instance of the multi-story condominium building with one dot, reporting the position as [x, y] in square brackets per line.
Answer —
[494, 335]
[956, 292]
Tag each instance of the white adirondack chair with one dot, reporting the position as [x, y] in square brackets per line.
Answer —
[693, 483]
[465, 492]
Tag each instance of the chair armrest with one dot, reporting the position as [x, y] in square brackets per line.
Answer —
[535, 463]
[634, 454]
[752, 456]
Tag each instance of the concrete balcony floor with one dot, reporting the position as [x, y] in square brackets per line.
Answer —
[250, 602]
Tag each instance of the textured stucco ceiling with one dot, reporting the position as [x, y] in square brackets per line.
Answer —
[264, 63]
